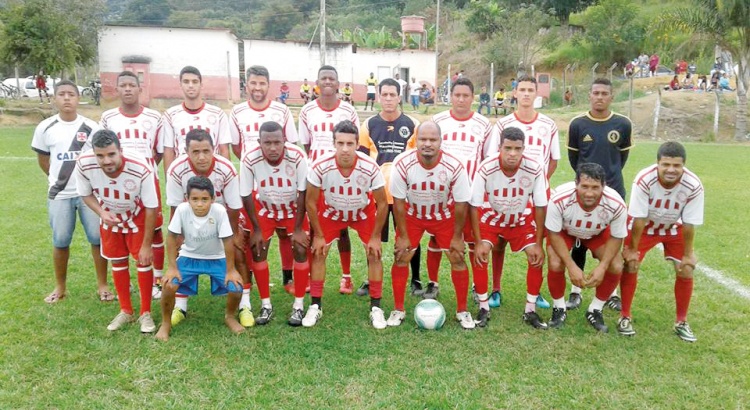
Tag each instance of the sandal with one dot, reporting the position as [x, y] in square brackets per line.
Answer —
[54, 297]
[106, 296]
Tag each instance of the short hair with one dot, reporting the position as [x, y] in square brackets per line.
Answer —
[591, 170]
[128, 73]
[391, 82]
[512, 134]
[188, 69]
[201, 183]
[269, 126]
[429, 122]
[258, 70]
[463, 81]
[345, 127]
[671, 149]
[67, 82]
[328, 68]
[602, 81]
[104, 138]
[527, 78]
[198, 135]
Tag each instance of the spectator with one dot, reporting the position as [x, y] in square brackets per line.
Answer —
[41, 86]
[724, 83]
[414, 91]
[714, 81]
[653, 64]
[425, 96]
[484, 101]
[718, 67]
[702, 82]
[568, 97]
[674, 84]
[643, 64]
[500, 101]
[283, 92]
[689, 82]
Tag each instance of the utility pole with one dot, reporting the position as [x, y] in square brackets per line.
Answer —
[322, 32]
[437, 36]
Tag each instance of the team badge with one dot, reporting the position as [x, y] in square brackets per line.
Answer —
[613, 136]
[147, 125]
[211, 221]
[130, 185]
[289, 169]
[211, 119]
[603, 215]
[681, 196]
[443, 176]
[81, 136]
[404, 132]
[362, 181]
[525, 182]
[218, 185]
[543, 130]
[477, 130]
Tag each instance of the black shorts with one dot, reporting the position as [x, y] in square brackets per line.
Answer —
[370, 96]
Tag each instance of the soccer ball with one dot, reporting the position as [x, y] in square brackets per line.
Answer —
[429, 314]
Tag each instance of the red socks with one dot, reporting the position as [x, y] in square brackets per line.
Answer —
[145, 281]
[497, 270]
[260, 270]
[399, 277]
[461, 283]
[534, 279]
[683, 291]
[301, 276]
[556, 284]
[608, 285]
[480, 277]
[346, 262]
[121, 277]
[628, 284]
[157, 247]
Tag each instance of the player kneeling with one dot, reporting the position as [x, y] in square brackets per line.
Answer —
[207, 234]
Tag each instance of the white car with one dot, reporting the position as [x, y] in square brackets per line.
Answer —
[28, 86]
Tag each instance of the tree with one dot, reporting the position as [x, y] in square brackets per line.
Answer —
[726, 23]
[278, 19]
[147, 12]
[564, 8]
[613, 31]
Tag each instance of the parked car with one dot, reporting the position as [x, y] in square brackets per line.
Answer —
[28, 85]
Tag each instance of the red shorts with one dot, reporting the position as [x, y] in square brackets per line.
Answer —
[442, 231]
[118, 245]
[519, 237]
[593, 244]
[332, 229]
[268, 226]
[674, 245]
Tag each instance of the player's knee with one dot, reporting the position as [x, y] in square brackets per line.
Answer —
[169, 289]
[616, 266]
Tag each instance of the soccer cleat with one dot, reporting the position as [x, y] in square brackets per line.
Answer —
[314, 313]
[377, 318]
[465, 320]
[396, 317]
[289, 288]
[596, 320]
[416, 288]
[178, 315]
[541, 303]
[474, 295]
[614, 303]
[345, 288]
[558, 318]
[574, 301]
[432, 291]
[147, 323]
[533, 319]
[496, 299]
[364, 289]
[266, 314]
[246, 317]
[120, 320]
[296, 318]
[482, 317]
[625, 327]
[684, 332]
[156, 292]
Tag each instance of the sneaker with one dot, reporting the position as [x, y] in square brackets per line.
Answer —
[364, 289]
[416, 288]
[345, 288]
[615, 303]
[246, 317]
[289, 288]
[541, 303]
[296, 318]
[684, 332]
[465, 320]
[147, 323]
[482, 318]
[625, 327]
[558, 318]
[596, 320]
[396, 317]
[266, 314]
[474, 295]
[156, 292]
[377, 318]
[574, 301]
[533, 319]
[431, 292]
[496, 299]
[314, 313]
[120, 320]
[178, 315]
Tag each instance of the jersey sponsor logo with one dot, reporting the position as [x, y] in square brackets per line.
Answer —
[112, 182]
[261, 115]
[81, 136]
[525, 182]
[68, 156]
[404, 132]
[390, 128]
[362, 181]
[196, 118]
[133, 122]
[461, 125]
[129, 185]
[587, 138]
[289, 170]
[430, 174]
[275, 171]
[613, 136]
[329, 115]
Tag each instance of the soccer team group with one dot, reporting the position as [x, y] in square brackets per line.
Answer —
[459, 178]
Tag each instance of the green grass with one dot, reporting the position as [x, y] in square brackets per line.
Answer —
[62, 356]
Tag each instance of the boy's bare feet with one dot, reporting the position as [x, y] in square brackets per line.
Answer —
[233, 324]
[163, 333]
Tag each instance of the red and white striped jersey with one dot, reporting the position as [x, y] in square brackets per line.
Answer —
[430, 193]
[564, 213]
[222, 173]
[125, 196]
[542, 140]
[179, 120]
[276, 187]
[316, 126]
[467, 139]
[666, 209]
[245, 122]
[346, 197]
[139, 134]
[502, 199]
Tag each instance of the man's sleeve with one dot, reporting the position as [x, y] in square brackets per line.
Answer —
[232, 192]
[289, 130]
[314, 177]
[247, 180]
[461, 187]
[397, 186]
[302, 171]
[554, 143]
[692, 213]
[478, 188]
[224, 227]
[39, 141]
[234, 129]
[224, 136]
[148, 190]
[175, 194]
[618, 228]
[304, 133]
[175, 225]
[167, 131]
[553, 220]
[83, 184]
[638, 207]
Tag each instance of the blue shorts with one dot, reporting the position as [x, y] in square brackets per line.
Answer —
[370, 96]
[191, 268]
[415, 100]
[62, 220]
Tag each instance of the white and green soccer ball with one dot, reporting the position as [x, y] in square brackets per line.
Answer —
[429, 314]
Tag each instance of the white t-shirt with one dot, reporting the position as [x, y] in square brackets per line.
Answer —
[139, 134]
[245, 122]
[431, 193]
[466, 139]
[63, 141]
[403, 85]
[414, 90]
[316, 126]
[203, 235]
[222, 173]
[564, 213]
[666, 209]
[542, 141]
[178, 121]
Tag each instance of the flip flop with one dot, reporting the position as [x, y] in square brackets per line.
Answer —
[106, 296]
[54, 297]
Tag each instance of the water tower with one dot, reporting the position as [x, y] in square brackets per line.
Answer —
[413, 26]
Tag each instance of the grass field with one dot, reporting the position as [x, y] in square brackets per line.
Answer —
[62, 356]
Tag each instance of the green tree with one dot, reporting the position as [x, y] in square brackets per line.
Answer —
[278, 19]
[726, 23]
[564, 8]
[613, 31]
[147, 12]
